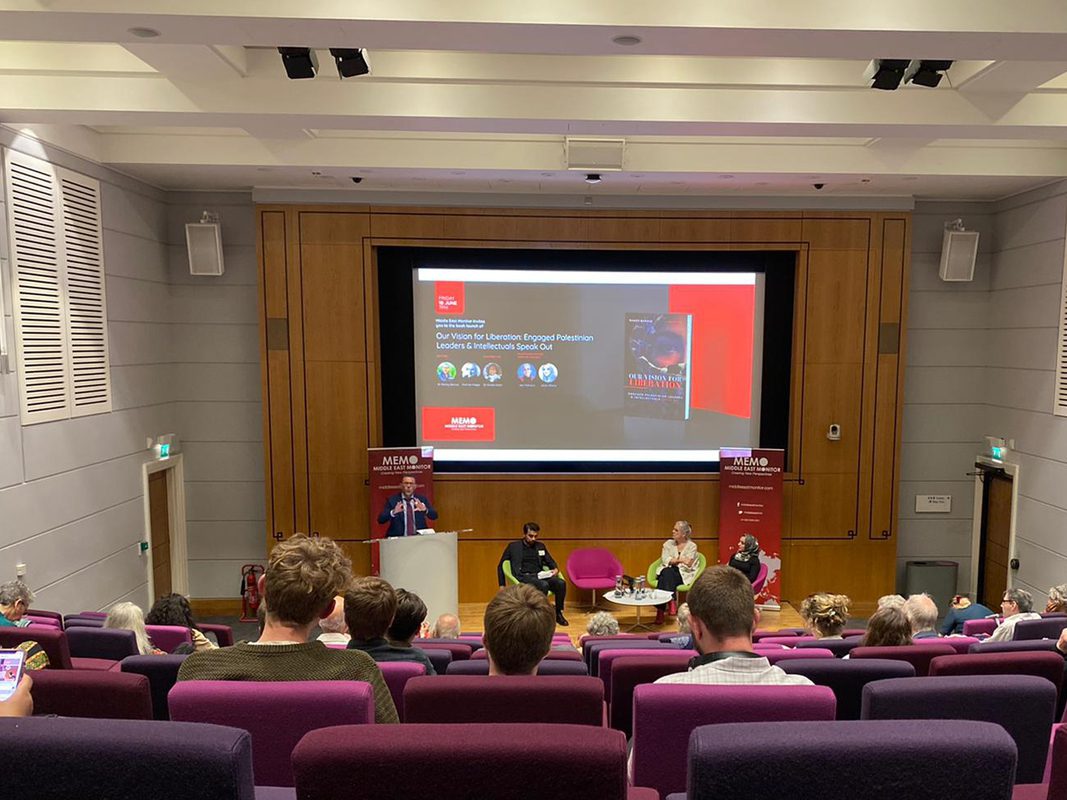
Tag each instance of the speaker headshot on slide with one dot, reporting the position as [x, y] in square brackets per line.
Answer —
[446, 371]
[526, 372]
[406, 512]
[470, 370]
[492, 372]
[547, 373]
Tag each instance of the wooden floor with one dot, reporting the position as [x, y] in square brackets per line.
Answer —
[472, 614]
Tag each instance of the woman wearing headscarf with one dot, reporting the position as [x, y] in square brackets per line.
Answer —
[677, 565]
[746, 559]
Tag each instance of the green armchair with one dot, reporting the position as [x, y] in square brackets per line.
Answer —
[509, 576]
[702, 563]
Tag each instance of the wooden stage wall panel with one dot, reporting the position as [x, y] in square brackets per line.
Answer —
[322, 403]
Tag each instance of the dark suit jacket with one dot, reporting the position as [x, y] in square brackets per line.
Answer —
[396, 524]
[513, 553]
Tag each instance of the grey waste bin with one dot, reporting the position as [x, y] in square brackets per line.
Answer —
[935, 578]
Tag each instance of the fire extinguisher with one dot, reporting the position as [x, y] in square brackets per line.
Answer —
[250, 599]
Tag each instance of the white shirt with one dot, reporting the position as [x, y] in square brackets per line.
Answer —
[334, 638]
[1006, 630]
[737, 671]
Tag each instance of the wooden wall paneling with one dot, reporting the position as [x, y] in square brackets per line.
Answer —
[834, 230]
[374, 348]
[795, 458]
[836, 314]
[832, 395]
[869, 381]
[764, 230]
[298, 401]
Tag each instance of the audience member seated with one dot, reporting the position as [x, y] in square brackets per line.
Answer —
[130, 617]
[446, 627]
[20, 704]
[1017, 605]
[722, 617]
[921, 611]
[174, 609]
[519, 624]
[678, 564]
[825, 615]
[963, 609]
[602, 624]
[684, 639]
[15, 600]
[370, 605]
[1057, 599]
[334, 628]
[408, 621]
[746, 558]
[302, 578]
[891, 601]
[887, 627]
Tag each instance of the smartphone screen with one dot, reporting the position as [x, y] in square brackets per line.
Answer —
[10, 671]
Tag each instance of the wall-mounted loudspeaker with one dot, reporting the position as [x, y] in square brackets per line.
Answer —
[204, 240]
[959, 250]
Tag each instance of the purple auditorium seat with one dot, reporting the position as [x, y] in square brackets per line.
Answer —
[561, 699]
[1023, 704]
[591, 651]
[1045, 628]
[51, 622]
[918, 655]
[109, 643]
[86, 622]
[839, 647]
[474, 643]
[162, 674]
[593, 568]
[54, 643]
[961, 644]
[974, 627]
[70, 758]
[761, 578]
[1025, 646]
[848, 633]
[91, 693]
[788, 641]
[459, 650]
[44, 614]
[276, 713]
[847, 677]
[561, 654]
[223, 633]
[774, 656]
[479, 666]
[396, 675]
[665, 715]
[1043, 665]
[439, 658]
[168, 637]
[875, 760]
[629, 672]
[459, 762]
[765, 634]
[1055, 785]
[606, 659]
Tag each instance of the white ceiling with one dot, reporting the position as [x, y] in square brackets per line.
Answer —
[764, 98]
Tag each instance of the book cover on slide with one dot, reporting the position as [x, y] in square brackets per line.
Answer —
[658, 349]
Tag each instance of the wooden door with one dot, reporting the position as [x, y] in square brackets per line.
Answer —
[159, 513]
[994, 554]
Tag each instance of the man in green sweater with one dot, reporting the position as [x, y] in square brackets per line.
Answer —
[302, 578]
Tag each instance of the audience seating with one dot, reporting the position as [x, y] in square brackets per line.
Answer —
[665, 715]
[961, 644]
[839, 647]
[68, 758]
[472, 643]
[606, 659]
[849, 633]
[439, 658]
[51, 622]
[85, 622]
[91, 693]
[109, 643]
[162, 674]
[276, 713]
[54, 642]
[528, 698]
[454, 762]
[1054, 786]
[761, 578]
[774, 656]
[875, 760]
[223, 633]
[97, 614]
[592, 649]
[1023, 704]
[593, 568]
[918, 655]
[765, 634]
[396, 675]
[479, 666]
[1024, 646]
[557, 654]
[789, 640]
[1043, 665]
[847, 677]
[1044, 628]
[975, 627]
[42, 613]
[629, 672]
[168, 637]
[459, 650]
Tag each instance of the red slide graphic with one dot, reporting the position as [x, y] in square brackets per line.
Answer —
[449, 297]
[721, 363]
[458, 424]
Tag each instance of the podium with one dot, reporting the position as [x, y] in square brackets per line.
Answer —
[425, 565]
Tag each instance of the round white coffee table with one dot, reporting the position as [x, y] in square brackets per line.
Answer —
[653, 597]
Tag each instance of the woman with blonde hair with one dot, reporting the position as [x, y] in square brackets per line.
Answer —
[1057, 599]
[678, 563]
[130, 617]
[825, 614]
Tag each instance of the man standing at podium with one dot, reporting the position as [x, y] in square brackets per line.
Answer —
[406, 512]
[532, 563]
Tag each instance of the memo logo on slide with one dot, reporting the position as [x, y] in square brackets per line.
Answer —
[449, 297]
[458, 424]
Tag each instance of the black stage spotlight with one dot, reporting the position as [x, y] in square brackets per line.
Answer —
[887, 73]
[351, 61]
[299, 62]
[927, 72]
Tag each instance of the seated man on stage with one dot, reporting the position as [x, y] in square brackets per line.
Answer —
[529, 562]
[406, 512]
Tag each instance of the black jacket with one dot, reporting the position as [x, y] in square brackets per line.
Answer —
[513, 553]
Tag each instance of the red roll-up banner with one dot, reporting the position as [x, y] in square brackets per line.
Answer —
[750, 501]
[387, 466]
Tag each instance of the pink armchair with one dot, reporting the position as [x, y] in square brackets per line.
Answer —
[593, 568]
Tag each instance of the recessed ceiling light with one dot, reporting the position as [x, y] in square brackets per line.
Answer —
[588, 201]
[143, 33]
[458, 172]
[727, 177]
[626, 40]
[865, 180]
[592, 177]
[910, 178]
[547, 174]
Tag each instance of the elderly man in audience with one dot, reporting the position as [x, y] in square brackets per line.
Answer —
[722, 617]
[334, 628]
[963, 609]
[15, 599]
[602, 624]
[446, 627]
[1017, 605]
[921, 611]
[370, 606]
[519, 624]
[303, 577]
[891, 601]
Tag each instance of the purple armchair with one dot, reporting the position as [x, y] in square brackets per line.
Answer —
[774, 656]
[52, 757]
[459, 650]
[591, 650]
[110, 643]
[54, 643]
[162, 674]
[223, 633]
[847, 677]
[396, 675]
[665, 715]
[479, 666]
[875, 760]
[277, 714]
[1043, 665]
[529, 698]
[593, 568]
[961, 644]
[1045, 628]
[918, 655]
[450, 762]
[977, 627]
[761, 578]
[629, 672]
[606, 660]
[1023, 705]
[91, 693]
[168, 637]
[839, 647]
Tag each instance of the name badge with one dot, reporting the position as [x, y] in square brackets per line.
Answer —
[541, 553]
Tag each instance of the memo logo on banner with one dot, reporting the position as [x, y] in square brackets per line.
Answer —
[750, 501]
[449, 297]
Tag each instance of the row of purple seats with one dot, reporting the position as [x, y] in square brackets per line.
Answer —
[480, 666]
[54, 643]
[559, 654]
[459, 650]
[565, 699]
[91, 693]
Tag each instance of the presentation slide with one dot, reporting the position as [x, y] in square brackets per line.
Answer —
[553, 366]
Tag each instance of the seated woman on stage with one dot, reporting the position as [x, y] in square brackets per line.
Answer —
[678, 565]
[825, 614]
[887, 627]
[746, 559]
